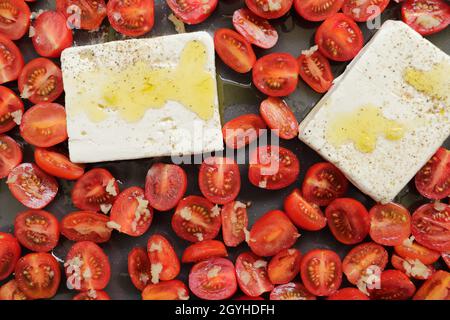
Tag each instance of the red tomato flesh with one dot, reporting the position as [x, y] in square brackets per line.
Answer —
[394, 285]
[303, 214]
[162, 254]
[243, 130]
[433, 180]
[284, 266]
[166, 290]
[83, 14]
[269, 9]
[315, 70]
[251, 272]
[9, 254]
[92, 295]
[11, 108]
[279, 117]
[139, 267]
[435, 288]
[390, 224]
[317, 10]
[361, 11]
[11, 60]
[291, 291]
[10, 291]
[10, 155]
[234, 222]
[86, 226]
[192, 11]
[348, 294]
[416, 251]
[131, 18]
[57, 164]
[204, 250]
[14, 18]
[426, 16]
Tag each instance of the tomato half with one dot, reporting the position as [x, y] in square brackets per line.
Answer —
[390, 224]
[10, 291]
[348, 294]
[165, 185]
[315, 70]
[446, 257]
[363, 257]
[92, 295]
[303, 214]
[416, 251]
[31, 186]
[14, 18]
[38, 275]
[412, 268]
[213, 279]
[131, 18]
[272, 233]
[251, 272]
[204, 250]
[96, 188]
[244, 297]
[273, 167]
[57, 164]
[11, 108]
[196, 219]
[279, 117]
[426, 16]
[269, 9]
[433, 180]
[291, 291]
[132, 212]
[394, 285]
[437, 287]
[234, 222]
[9, 254]
[276, 74]
[284, 266]
[87, 267]
[166, 290]
[11, 60]
[86, 226]
[139, 267]
[10, 155]
[317, 10]
[321, 272]
[361, 11]
[164, 262]
[339, 38]
[219, 179]
[83, 14]
[348, 220]
[243, 130]
[234, 50]
[192, 11]
[40, 81]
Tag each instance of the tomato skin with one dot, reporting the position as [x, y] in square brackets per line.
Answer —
[348, 220]
[304, 215]
[57, 164]
[92, 295]
[416, 251]
[432, 181]
[284, 266]
[11, 67]
[10, 155]
[160, 251]
[242, 130]
[315, 70]
[435, 288]
[139, 267]
[234, 222]
[204, 250]
[131, 18]
[348, 294]
[10, 291]
[10, 104]
[446, 257]
[291, 291]
[251, 272]
[399, 264]
[166, 290]
[16, 20]
[244, 297]
[262, 8]
[91, 16]
[390, 224]
[435, 9]
[394, 285]
[86, 226]
[279, 117]
[192, 11]
[317, 10]
[365, 10]
[9, 254]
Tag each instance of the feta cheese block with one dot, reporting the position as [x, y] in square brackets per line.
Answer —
[142, 98]
[387, 114]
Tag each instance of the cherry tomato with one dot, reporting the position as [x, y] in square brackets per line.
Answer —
[166, 290]
[164, 262]
[38, 275]
[276, 74]
[279, 117]
[31, 186]
[234, 222]
[339, 38]
[426, 16]
[14, 19]
[303, 214]
[390, 224]
[446, 257]
[435, 288]
[243, 130]
[165, 185]
[244, 297]
[9, 254]
[348, 294]
[416, 251]
[321, 272]
[412, 268]
[269, 9]
[348, 220]
[394, 285]
[433, 180]
[92, 295]
[10, 155]
[315, 70]
[317, 10]
[196, 219]
[11, 60]
[272, 233]
[213, 279]
[10, 291]
[139, 267]
[291, 291]
[192, 11]
[361, 11]
[57, 164]
[273, 167]
[11, 107]
[40, 81]
[204, 250]
[251, 272]
[234, 50]
[83, 14]
[86, 226]
[284, 266]
[131, 18]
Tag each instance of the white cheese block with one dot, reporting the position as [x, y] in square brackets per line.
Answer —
[376, 77]
[170, 130]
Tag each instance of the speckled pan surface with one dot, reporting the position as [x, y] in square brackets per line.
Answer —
[237, 97]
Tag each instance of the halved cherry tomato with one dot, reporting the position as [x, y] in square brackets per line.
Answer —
[321, 272]
[348, 220]
[323, 183]
[10, 155]
[14, 18]
[40, 81]
[361, 11]
[87, 267]
[251, 272]
[446, 257]
[242, 130]
[37, 230]
[339, 38]
[234, 50]
[92, 295]
[10, 291]
[38, 275]
[31, 186]
[204, 250]
[273, 167]
[276, 74]
[272, 233]
[83, 14]
[11, 108]
[57, 164]
[430, 225]
[11, 60]
[86, 226]
[412, 268]
[269, 9]
[279, 117]
[348, 294]
[315, 70]
[244, 297]
[213, 279]
[165, 185]
[390, 224]
[303, 214]
[256, 30]
[95, 188]
[317, 10]
[426, 16]
[166, 290]
[219, 179]
[192, 11]
[437, 287]
[139, 267]
[394, 285]
[433, 180]
[291, 291]
[416, 251]
[131, 18]
[363, 257]
[164, 262]
[132, 212]
[9, 254]
[44, 125]
[196, 219]
[284, 266]
[234, 222]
